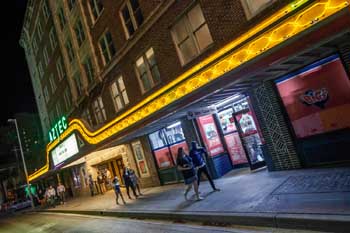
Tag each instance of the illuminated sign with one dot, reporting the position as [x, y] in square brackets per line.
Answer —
[65, 150]
[58, 128]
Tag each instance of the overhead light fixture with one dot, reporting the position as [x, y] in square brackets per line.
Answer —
[174, 125]
[228, 100]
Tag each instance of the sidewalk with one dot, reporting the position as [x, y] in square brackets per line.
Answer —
[303, 198]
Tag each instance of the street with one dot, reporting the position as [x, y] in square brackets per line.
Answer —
[55, 223]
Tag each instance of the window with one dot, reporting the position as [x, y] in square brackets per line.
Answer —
[253, 7]
[40, 70]
[78, 84]
[71, 4]
[96, 8]
[53, 41]
[35, 45]
[46, 56]
[87, 116]
[61, 17]
[119, 95]
[89, 70]
[191, 35]
[147, 70]
[99, 110]
[39, 28]
[107, 47]
[79, 33]
[60, 69]
[58, 109]
[67, 98]
[52, 83]
[46, 94]
[70, 52]
[46, 11]
[131, 16]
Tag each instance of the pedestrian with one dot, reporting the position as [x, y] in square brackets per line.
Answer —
[51, 196]
[101, 182]
[117, 190]
[196, 155]
[91, 185]
[185, 165]
[61, 192]
[128, 183]
[135, 180]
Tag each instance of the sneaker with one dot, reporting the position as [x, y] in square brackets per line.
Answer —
[217, 190]
[199, 198]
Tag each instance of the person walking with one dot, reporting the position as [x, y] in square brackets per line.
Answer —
[196, 154]
[61, 191]
[50, 196]
[91, 185]
[135, 180]
[185, 165]
[117, 190]
[128, 183]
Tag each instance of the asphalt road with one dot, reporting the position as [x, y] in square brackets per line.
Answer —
[69, 223]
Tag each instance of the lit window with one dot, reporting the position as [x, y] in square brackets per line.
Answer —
[46, 56]
[99, 110]
[62, 18]
[119, 94]
[147, 70]
[89, 70]
[46, 94]
[40, 70]
[46, 11]
[60, 69]
[253, 7]
[79, 33]
[70, 51]
[67, 98]
[132, 16]
[96, 8]
[107, 47]
[52, 83]
[191, 35]
[78, 84]
[53, 40]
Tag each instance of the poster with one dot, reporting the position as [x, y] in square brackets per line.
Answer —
[235, 148]
[140, 159]
[210, 135]
[317, 98]
[163, 158]
[247, 123]
[226, 122]
[253, 143]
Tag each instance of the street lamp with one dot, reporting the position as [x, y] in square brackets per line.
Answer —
[24, 162]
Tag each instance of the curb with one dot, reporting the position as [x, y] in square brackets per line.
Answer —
[315, 222]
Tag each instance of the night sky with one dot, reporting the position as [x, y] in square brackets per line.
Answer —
[16, 90]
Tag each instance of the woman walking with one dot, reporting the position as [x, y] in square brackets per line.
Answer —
[185, 165]
[117, 190]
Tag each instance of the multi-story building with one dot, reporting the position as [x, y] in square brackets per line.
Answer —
[249, 80]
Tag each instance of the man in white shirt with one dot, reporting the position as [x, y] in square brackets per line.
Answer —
[50, 195]
[61, 190]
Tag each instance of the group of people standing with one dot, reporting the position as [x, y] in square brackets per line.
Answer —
[51, 197]
[192, 166]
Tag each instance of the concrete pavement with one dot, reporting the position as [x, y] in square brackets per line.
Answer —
[316, 199]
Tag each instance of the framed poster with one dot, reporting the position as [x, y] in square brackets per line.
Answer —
[210, 134]
[317, 97]
[235, 148]
[247, 123]
[163, 158]
[140, 159]
[227, 125]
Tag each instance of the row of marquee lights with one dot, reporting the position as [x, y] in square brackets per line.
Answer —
[200, 75]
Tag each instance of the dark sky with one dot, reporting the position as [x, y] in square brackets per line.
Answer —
[16, 90]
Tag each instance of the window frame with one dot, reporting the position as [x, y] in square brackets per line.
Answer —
[79, 33]
[52, 37]
[120, 94]
[61, 18]
[45, 10]
[101, 110]
[70, 52]
[46, 56]
[52, 83]
[60, 69]
[247, 11]
[107, 46]
[90, 73]
[148, 71]
[98, 11]
[190, 35]
[67, 96]
[134, 23]
[46, 94]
